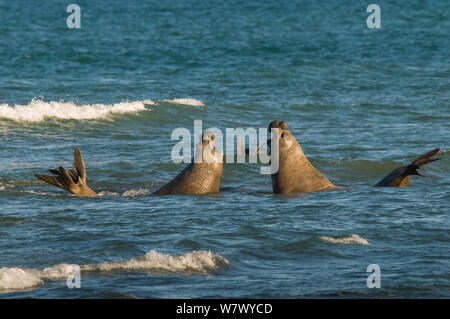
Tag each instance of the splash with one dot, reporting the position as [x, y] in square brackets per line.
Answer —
[136, 192]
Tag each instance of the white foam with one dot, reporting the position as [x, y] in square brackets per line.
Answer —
[148, 102]
[18, 279]
[348, 240]
[136, 192]
[195, 262]
[38, 110]
[61, 271]
[108, 193]
[186, 101]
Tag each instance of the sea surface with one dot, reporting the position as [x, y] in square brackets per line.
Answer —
[360, 101]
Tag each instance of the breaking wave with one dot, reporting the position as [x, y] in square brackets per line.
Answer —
[196, 262]
[38, 110]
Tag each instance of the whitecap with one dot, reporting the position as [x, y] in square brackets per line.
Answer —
[15, 278]
[195, 262]
[39, 110]
[185, 101]
[192, 262]
[347, 240]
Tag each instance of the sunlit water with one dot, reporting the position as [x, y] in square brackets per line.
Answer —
[360, 101]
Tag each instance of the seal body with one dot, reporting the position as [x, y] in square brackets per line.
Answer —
[295, 173]
[202, 176]
[196, 178]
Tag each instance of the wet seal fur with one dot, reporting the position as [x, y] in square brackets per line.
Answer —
[202, 176]
[295, 173]
[399, 177]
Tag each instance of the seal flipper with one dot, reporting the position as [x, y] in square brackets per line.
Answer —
[421, 161]
[400, 176]
[55, 181]
[78, 172]
[73, 181]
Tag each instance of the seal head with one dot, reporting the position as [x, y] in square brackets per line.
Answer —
[295, 173]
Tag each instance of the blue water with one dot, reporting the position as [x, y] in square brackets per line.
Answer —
[360, 101]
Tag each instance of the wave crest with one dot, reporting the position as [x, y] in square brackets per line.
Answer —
[38, 110]
[18, 279]
[195, 262]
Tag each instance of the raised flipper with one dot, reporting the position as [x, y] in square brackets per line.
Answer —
[399, 177]
[73, 181]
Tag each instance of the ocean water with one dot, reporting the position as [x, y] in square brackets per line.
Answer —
[360, 101]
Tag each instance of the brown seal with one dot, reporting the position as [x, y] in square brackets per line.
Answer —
[202, 176]
[399, 177]
[295, 173]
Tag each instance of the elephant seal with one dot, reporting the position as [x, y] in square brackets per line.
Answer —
[295, 173]
[73, 181]
[200, 177]
[399, 177]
